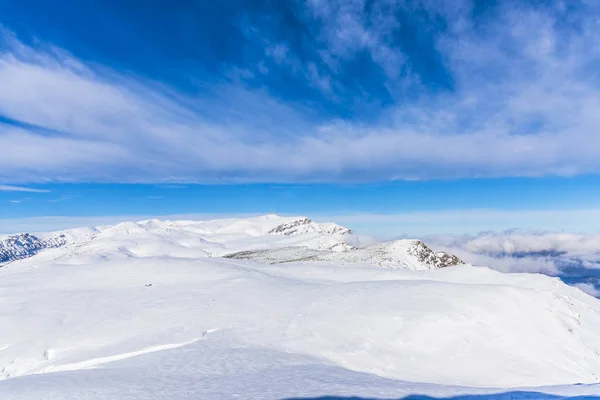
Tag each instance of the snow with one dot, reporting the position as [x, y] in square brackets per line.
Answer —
[205, 238]
[148, 310]
[408, 254]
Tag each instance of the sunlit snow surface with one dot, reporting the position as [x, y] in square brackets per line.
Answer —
[137, 313]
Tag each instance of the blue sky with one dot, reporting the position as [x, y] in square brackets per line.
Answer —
[388, 114]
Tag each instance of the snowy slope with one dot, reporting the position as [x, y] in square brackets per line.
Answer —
[92, 318]
[399, 254]
[150, 310]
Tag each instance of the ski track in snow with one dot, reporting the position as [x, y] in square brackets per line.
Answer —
[103, 360]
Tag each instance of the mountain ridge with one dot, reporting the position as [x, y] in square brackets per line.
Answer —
[270, 238]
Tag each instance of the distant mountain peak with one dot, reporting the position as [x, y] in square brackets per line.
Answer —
[23, 245]
[306, 225]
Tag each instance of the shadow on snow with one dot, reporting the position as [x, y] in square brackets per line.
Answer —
[516, 395]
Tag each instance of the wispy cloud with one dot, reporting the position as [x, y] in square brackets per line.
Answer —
[523, 102]
[19, 201]
[351, 27]
[12, 188]
[61, 199]
[172, 186]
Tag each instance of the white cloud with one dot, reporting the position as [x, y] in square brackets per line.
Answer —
[588, 288]
[541, 265]
[523, 243]
[348, 29]
[524, 103]
[13, 188]
[544, 252]
[19, 201]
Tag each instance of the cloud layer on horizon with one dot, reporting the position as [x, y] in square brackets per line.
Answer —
[521, 99]
[575, 258]
[558, 254]
[13, 188]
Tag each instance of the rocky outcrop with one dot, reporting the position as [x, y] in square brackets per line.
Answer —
[448, 260]
[437, 260]
[23, 245]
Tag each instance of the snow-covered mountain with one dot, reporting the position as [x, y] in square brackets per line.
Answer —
[23, 245]
[152, 309]
[306, 225]
[269, 238]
